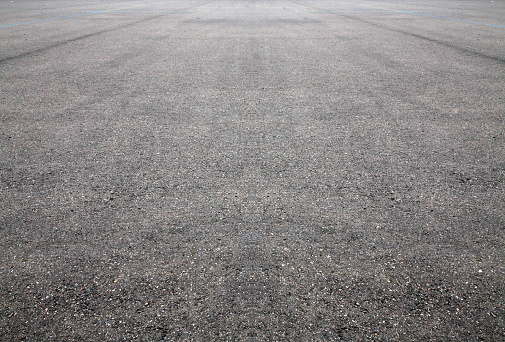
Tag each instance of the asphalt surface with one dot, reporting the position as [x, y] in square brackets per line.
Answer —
[252, 170]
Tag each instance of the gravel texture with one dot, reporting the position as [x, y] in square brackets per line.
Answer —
[252, 170]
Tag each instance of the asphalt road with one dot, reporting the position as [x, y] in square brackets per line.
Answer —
[252, 170]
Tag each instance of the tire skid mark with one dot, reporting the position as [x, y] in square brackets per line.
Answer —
[415, 35]
[432, 40]
[89, 35]
[68, 41]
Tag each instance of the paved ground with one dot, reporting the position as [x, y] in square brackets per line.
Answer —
[252, 170]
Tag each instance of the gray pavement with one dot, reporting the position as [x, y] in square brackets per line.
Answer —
[252, 170]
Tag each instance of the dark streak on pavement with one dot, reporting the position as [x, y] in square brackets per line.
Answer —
[89, 35]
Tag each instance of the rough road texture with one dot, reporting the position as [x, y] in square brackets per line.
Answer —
[252, 170]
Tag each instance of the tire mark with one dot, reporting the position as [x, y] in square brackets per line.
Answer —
[89, 35]
[68, 41]
[415, 35]
[432, 40]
